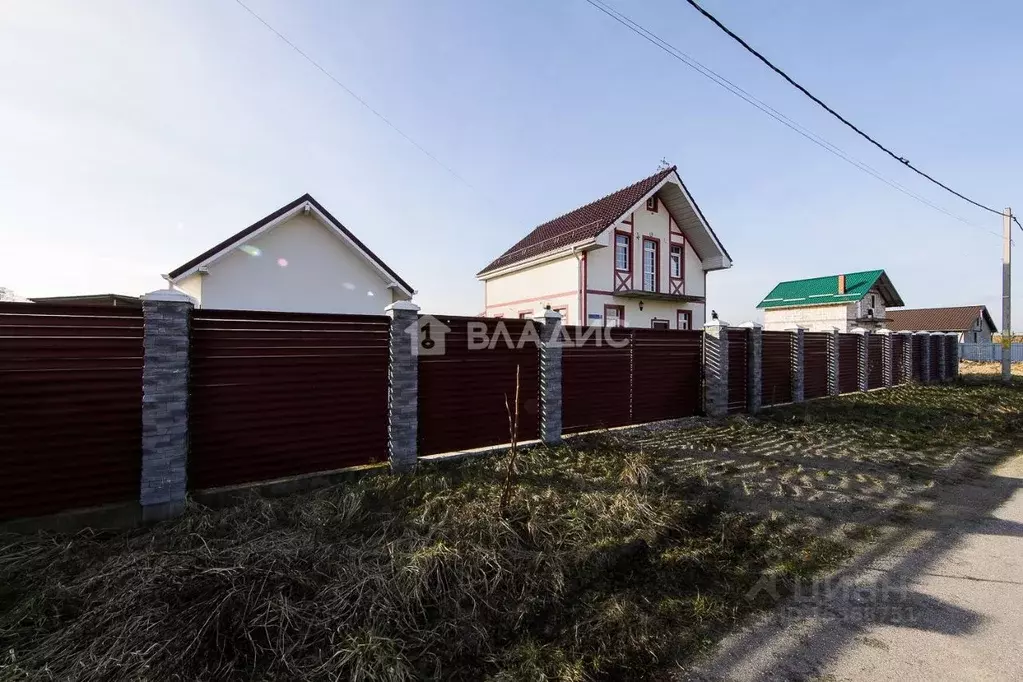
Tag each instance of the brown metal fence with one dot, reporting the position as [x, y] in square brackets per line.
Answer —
[898, 358]
[666, 374]
[282, 394]
[738, 370]
[462, 392]
[596, 384]
[848, 363]
[776, 368]
[875, 361]
[70, 407]
[815, 364]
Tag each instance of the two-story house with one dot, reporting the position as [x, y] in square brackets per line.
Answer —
[638, 257]
[843, 302]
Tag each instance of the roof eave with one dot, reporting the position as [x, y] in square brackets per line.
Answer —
[539, 259]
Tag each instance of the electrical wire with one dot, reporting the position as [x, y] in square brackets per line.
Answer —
[831, 111]
[767, 109]
[357, 98]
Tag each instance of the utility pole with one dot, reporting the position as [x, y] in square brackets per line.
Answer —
[1007, 296]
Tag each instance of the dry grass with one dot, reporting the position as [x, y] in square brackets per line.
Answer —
[987, 369]
[618, 555]
[606, 564]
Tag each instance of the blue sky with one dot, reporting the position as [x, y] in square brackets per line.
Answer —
[135, 135]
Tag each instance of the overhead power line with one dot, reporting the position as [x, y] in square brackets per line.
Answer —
[728, 85]
[358, 98]
[834, 113]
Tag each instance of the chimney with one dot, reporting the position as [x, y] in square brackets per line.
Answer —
[841, 284]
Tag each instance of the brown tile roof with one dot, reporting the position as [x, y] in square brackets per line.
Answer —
[937, 319]
[585, 222]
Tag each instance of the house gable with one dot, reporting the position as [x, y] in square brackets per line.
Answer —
[587, 226]
[304, 205]
[818, 291]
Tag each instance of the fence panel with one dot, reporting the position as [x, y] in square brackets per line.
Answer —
[776, 368]
[990, 352]
[898, 356]
[462, 392]
[848, 363]
[935, 358]
[815, 364]
[875, 361]
[596, 385]
[738, 370]
[70, 407]
[282, 394]
[666, 374]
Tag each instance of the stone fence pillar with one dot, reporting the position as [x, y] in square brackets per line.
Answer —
[907, 357]
[925, 356]
[862, 359]
[887, 359]
[166, 316]
[833, 348]
[715, 365]
[403, 386]
[549, 325]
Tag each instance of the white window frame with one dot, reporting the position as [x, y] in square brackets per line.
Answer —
[683, 315]
[622, 241]
[653, 274]
[675, 259]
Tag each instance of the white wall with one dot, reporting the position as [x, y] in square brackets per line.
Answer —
[302, 266]
[634, 317]
[822, 318]
[555, 283]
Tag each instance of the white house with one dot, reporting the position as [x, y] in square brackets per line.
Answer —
[819, 304]
[638, 257]
[299, 258]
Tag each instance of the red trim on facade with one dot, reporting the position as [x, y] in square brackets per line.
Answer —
[621, 313]
[602, 292]
[530, 300]
[525, 314]
[583, 289]
[622, 278]
[688, 314]
[563, 309]
[657, 263]
[676, 284]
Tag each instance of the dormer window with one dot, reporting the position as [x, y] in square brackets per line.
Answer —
[651, 204]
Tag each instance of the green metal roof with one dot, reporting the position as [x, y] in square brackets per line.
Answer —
[824, 290]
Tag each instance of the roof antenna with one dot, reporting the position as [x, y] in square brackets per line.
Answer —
[663, 165]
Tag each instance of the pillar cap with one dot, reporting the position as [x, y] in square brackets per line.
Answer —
[401, 305]
[548, 316]
[797, 328]
[858, 330]
[716, 323]
[169, 295]
[752, 325]
[884, 331]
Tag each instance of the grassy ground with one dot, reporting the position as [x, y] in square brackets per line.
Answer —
[619, 555]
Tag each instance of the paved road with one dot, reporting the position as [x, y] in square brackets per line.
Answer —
[940, 600]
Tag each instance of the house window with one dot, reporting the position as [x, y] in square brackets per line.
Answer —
[563, 311]
[651, 204]
[685, 319]
[614, 316]
[676, 262]
[873, 301]
[649, 265]
[622, 252]
[659, 324]
[525, 314]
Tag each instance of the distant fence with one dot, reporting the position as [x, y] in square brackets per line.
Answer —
[112, 405]
[989, 352]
